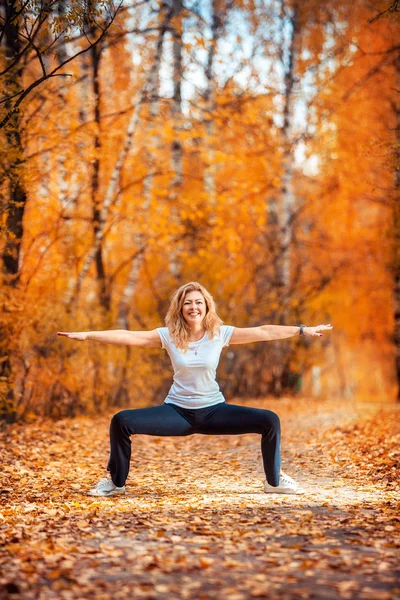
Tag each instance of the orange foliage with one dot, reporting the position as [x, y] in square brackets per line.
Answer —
[342, 124]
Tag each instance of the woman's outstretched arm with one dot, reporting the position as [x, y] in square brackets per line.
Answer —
[150, 339]
[265, 333]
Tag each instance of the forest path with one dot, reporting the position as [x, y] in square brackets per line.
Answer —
[195, 522]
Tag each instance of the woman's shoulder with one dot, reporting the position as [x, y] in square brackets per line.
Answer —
[224, 328]
[224, 333]
[163, 329]
[163, 332]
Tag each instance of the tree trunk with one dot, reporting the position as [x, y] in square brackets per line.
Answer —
[11, 179]
[287, 192]
[219, 11]
[95, 57]
[14, 202]
[177, 117]
[280, 216]
[396, 257]
[177, 151]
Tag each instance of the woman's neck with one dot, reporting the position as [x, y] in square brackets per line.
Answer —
[196, 334]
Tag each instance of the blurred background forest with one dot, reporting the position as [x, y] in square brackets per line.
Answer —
[251, 145]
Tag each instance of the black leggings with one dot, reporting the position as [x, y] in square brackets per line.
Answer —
[170, 419]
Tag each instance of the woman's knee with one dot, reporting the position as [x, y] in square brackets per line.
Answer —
[120, 419]
[272, 421]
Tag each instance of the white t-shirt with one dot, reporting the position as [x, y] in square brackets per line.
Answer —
[194, 384]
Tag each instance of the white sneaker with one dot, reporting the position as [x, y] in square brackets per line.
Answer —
[105, 487]
[287, 485]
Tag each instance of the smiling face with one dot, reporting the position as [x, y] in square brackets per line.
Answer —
[194, 308]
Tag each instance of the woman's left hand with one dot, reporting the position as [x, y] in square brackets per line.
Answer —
[312, 331]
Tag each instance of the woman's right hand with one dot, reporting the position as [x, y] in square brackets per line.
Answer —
[81, 336]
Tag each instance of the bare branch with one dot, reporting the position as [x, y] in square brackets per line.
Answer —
[40, 59]
[24, 93]
[375, 69]
[394, 7]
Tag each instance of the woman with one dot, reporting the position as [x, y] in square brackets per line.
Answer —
[194, 337]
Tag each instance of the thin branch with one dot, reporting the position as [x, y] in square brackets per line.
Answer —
[367, 76]
[394, 7]
[7, 98]
[40, 59]
[54, 73]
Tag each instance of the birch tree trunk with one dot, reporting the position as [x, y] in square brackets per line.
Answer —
[65, 179]
[95, 58]
[177, 119]
[287, 206]
[218, 14]
[280, 211]
[62, 174]
[177, 150]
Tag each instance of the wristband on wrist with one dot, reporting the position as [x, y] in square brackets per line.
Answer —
[302, 329]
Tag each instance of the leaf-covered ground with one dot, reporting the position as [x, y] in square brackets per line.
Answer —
[195, 522]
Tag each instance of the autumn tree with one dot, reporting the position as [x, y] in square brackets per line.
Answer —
[29, 35]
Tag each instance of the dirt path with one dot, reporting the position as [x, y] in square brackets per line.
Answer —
[195, 522]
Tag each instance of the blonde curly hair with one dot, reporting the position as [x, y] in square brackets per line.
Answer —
[178, 328]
